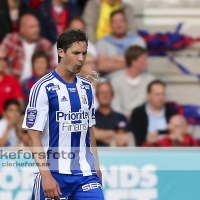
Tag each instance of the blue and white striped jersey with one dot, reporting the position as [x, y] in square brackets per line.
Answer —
[63, 112]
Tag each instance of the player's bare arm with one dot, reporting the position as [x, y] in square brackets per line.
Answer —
[50, 186]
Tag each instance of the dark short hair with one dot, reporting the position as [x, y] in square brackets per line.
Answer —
[120, 11]
[67, 38]
[10, 102]
[133, 53]
[107, 83]
[76, 19]
[39, 53]
[159, 82]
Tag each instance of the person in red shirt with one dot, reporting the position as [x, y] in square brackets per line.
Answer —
[178, 135]
[35, 3]
[54, 17]
[10, 87]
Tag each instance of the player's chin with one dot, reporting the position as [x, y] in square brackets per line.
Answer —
[77, 70]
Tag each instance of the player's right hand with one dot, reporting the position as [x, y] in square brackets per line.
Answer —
[51, 188]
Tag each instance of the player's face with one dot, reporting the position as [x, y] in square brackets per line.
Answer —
[74, 57]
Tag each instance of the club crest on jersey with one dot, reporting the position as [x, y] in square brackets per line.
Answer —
[31, 117]
[86, 87]
[84, 100]
[53, 88]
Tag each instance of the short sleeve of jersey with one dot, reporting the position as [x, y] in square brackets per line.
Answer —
[92, 120]
[37, 110]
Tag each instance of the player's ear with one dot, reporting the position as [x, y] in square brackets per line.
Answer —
[61, 52]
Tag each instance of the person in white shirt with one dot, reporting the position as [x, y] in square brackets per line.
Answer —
[29, 43]
[21, 46]
[8, 123]
[130, 84]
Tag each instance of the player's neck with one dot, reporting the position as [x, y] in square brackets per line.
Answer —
[64, 74]
[106, 110]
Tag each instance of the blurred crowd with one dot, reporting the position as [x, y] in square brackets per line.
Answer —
[131, 109]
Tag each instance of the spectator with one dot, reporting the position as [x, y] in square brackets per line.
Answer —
[81, 4]
[54, 16]
[35, 3]
[122, 137]
[8, 123]
[130, 84]
[22, 134]
[88, 71]
[9, 85]
[10, 13]
[41, 66]
[178, 135]
[78, 24]
[111, 48]
[152, 117]
[20, 47]
[97, 17]
[106, 118]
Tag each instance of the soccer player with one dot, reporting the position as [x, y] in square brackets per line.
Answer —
[59, 119]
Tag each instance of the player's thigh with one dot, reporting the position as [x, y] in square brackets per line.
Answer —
[90, 190]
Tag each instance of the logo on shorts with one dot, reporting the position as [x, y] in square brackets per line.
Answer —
[31, 117]
[91, 186]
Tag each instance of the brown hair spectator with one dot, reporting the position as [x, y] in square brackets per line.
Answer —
[120, 11]
[159, 82]
[41, 53]
[102, 83]
[133, 53]
[76, 19]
